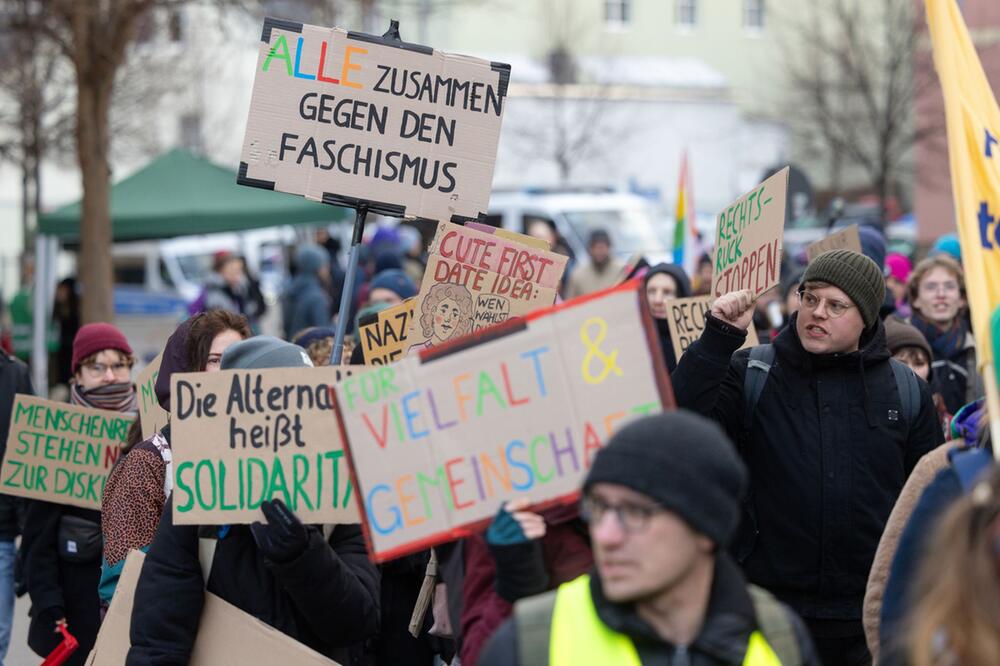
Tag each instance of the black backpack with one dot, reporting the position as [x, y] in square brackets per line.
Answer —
[759, 367]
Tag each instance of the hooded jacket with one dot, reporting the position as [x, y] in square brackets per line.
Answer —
[305, 304]
[138, 485]
[828, 453]
[326, 598]
[729, 621]
[662, 328]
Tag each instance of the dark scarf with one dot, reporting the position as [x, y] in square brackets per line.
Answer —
[113, 397]
[946, 343]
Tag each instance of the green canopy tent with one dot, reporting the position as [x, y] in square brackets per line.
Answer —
[180, 194]
[177, 194]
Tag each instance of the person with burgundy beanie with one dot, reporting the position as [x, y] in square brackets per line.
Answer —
[62, 544]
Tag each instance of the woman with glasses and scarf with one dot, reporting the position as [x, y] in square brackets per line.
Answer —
[62, 544]
[937, 295]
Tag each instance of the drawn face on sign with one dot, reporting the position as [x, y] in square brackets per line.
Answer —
[446, 319]
[446, 313]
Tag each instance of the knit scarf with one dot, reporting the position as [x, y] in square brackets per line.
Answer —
[113, 397]
[946, 343]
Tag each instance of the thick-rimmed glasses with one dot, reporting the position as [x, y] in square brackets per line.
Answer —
[632, 517]
[834, 308]
[96, 370]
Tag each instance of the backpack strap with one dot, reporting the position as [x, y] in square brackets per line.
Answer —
[758, 368]
[533, 618]
[909, 390]
[775, 624]
[969, 465]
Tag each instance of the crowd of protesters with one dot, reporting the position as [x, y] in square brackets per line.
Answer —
[812, 500]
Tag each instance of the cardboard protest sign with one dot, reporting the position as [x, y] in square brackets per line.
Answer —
[845, 239]
[240, 437]
[523, 239]
[474, 280]
[438, 441]
[152, 417]
[383, 335]
[61, 453]
[686, 321]
[226, 634]
[342, 117]
[748, 239]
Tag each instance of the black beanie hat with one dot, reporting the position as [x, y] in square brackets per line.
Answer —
[854, 274]
[684, 462]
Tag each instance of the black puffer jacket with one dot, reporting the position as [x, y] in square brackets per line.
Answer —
[327, 598]
[828, 453]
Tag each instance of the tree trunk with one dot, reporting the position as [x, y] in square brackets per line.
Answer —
[95, 272]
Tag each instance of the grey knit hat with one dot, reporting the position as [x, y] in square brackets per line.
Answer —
[854, 274]
[684, 462]
[264, 351]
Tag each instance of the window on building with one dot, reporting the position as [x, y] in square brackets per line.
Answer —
[753, 14]
[617, 12]
[686, 13]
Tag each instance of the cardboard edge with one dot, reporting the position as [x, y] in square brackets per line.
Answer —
[243, 179]
[282, 24]
[352, 471]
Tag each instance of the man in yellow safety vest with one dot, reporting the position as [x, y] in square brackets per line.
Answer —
[662, 501]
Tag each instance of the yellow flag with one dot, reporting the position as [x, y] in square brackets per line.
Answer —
[974, 153]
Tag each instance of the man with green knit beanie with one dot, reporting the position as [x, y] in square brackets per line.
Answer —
[829, 428]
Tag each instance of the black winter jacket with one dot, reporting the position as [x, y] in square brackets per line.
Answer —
[327, 598]
[59, 588]
[14, 378]
[828, 453]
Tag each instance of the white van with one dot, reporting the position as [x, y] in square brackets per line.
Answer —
[181, 265]
[636, 225]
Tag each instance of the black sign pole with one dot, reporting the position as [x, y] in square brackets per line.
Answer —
[361, 212]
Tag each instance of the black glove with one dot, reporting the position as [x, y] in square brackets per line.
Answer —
[284, 537]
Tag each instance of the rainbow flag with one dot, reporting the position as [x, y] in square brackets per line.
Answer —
[687, 245]
[973, 122]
